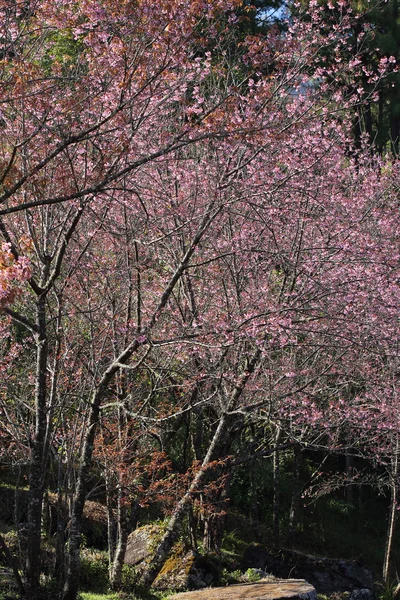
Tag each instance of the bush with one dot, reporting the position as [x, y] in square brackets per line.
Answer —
[129, 578]
[94, 570]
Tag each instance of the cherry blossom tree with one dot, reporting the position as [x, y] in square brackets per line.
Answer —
[164, 209]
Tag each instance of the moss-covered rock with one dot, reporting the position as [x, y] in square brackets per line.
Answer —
[189, 571]
[141, 543]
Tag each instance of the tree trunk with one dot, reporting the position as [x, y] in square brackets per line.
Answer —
[392, 515]
[111, 526]
[60, 532]
[350, 475]
[72, 571]
[276, 508]
[175, 523]
[46, 515]
[125, 525]
[296, 493]
[38, 460]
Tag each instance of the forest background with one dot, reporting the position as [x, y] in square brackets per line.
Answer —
[199, 276]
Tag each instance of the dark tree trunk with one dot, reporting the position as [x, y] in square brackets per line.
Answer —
[111, 525]
[125, 523]
[296, 493]
[276, 503]
[349, 475]
[38, 460]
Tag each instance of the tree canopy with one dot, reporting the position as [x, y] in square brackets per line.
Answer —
[192, 240]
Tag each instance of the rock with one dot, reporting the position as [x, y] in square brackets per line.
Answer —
[327, 575]
[362, 594]
[191, 571]
[140, 544]
[94, 522]
[295, 589]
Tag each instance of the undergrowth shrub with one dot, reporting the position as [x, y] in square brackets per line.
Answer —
[94, 570]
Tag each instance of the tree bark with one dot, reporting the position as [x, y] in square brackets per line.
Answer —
[125, 525]
[111, 525]
[175, 523]
[392, 515]
[296, 493]
[276, 508]
[38, 460]
[349, 475]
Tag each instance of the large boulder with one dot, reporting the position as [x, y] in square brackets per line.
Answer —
[327, 575]
[293, 589]
[188, 571]
[362, 594]
[140, 544]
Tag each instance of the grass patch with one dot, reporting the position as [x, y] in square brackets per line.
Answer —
[92, 596]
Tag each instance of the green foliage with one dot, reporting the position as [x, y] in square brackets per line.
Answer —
[233, 542]
[64, 51]
[94, 570]
[11, 540]
[93, 596]
[340, 506]
[331, 526]
[252, 575]
[230, 577]
[251, 488]
[388, 591]
[129, 577]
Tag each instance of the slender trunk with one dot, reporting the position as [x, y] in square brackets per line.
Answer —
[349, 475]
[381, 135]
[390, 534]
[175, 523]
[120, 544]
[126, 524]
[60, 532]
[46, 515]
[38, 460]
[296, 493]
[276, 508]
[72, 570]
[392, 515]
[193, 526]
[111, 525]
